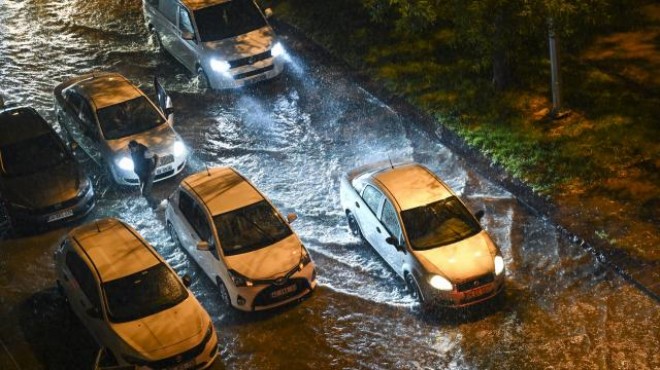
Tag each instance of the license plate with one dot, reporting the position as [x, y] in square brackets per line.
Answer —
[184, 366]
[60, 215]
[283, 291]
[478, 292]
[163, 169]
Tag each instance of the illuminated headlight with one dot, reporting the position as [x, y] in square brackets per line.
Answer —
[220, 66]
[239, 280]
[440, 283]
[179, 148]
[499, 265]
[125, 164]
[277, 50]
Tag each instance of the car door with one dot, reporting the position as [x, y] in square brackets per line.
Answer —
[81, 124]
[164, 101]
[168, 29]
[84, 295]
[389, 219]
[370, 225]
[185, 49]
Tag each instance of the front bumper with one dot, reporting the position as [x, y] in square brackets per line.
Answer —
[246, 75]
[460, 299]
[262, 297]
[129, 178]
[55, 215]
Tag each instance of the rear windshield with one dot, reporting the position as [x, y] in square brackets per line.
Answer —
[250, 228]
[229, 19]
[128, 118]
[32, 155]
[144, 293]
[439, 223]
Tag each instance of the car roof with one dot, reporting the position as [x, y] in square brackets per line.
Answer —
[106, 89]
[20, 123]
[114, 248]
[412, 185]
[198, 4]
[222, 189]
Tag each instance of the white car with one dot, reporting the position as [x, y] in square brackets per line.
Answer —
[131, 301]
[226, 43]
[240, 240]
[424, 232]
[103, 112]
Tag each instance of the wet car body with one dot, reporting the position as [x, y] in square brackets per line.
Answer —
[137, 308]
[41, 184]
[103, 112]
[416, 223]
[240, 240]
[227, 43]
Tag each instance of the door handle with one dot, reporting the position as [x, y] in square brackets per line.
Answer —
[357, 204]
[378, 229]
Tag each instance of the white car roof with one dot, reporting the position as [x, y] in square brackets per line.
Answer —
[412, 185]
[114, 248]
[222, 189]
[106, 89]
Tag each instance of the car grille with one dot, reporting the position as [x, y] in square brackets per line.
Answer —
[481, 280]
[265, 298]
[250, 60]
[166, 159]
[180, 358]
[253, 73]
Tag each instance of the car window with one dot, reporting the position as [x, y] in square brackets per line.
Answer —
[228, 19]
[185, 205]
[18, 158]
[128, 118]
[83, 277]
[390, 220]
[153, 2]
[169, 8]
[185, 25]
[200, 223]
[373, 197]
[87, 118]
[74, 100]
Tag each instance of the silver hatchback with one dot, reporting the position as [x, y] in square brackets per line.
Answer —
[226, 43]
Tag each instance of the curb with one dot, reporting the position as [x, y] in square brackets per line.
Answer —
[624, 265]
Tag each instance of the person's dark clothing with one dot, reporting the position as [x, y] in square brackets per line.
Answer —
[142, 165]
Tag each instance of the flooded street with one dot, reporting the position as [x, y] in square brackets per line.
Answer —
[293, 138]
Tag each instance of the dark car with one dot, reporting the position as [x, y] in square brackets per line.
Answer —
[40, 181]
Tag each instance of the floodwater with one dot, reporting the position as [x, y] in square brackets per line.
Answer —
[294, 137]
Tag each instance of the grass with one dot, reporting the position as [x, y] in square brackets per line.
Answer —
[604, 155]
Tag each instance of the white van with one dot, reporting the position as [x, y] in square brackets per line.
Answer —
[226, 43]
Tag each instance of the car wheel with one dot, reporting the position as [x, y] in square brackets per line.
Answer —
[354, 226]
[202, 79]
[157, 40]
[224, 294]
[173, 235]
[414, 288]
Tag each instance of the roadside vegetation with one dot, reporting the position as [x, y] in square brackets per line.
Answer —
[481, 69]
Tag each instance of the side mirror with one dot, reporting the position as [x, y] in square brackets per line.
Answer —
[203, 245]
[168, 111]
[480, 214]
[291, 217]
[73, 146]
[187, 280]
[395, 242]
[268, 12]
[94, 312]
[189, 36]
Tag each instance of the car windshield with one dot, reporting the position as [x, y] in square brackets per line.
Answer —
[143, 293]
[229, 19]
[439, 223]
[128, 118]
[32, 155]
[250, 228]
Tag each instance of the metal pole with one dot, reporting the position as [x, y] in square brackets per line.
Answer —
[553, 41]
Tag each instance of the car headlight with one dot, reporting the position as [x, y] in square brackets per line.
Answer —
[305, 258]
[277, 50]
[179, 148]
[220, 66]
[499, 265]
[209, 331]
[87, 186]
[440, 283]
[125, 164]
[238, 279]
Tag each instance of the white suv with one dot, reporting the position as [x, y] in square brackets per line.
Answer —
[131, 301]
[240, 240]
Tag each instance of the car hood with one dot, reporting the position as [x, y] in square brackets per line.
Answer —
[42, 189]
[165, 333]
[241, 46]
[159, 140]
[461, 261]
[270, 262]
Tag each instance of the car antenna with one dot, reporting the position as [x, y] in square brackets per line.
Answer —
[207, 169]
[390, 159]
[96, 222]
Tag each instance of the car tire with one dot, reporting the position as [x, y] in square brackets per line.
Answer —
[173, 235]
[414, 288]
[354, 226]
[202, 80]
[157, 40]
[224, 294]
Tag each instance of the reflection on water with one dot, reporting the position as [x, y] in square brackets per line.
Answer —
[293, 137]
